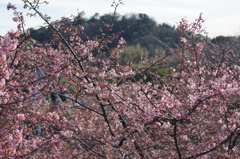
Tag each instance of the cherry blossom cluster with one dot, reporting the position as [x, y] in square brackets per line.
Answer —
[71, 98]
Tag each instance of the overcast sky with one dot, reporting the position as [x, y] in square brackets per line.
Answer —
[222, 16]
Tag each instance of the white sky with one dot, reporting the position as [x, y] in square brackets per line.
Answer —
[222, 16]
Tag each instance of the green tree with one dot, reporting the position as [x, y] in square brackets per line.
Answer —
[135, 54]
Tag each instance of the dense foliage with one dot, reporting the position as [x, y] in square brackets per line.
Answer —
[134, 28]
[71, 97]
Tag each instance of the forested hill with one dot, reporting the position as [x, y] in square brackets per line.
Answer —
[137, 29]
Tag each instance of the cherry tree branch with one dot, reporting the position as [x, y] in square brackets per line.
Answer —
[175, 139]
[214, 148]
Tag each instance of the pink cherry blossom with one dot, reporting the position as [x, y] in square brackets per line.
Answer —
[61, 100]
[67, 133]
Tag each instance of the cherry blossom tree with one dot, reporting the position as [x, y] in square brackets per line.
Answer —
[191, 113]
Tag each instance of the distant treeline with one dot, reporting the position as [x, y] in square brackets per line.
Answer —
[136, 29]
